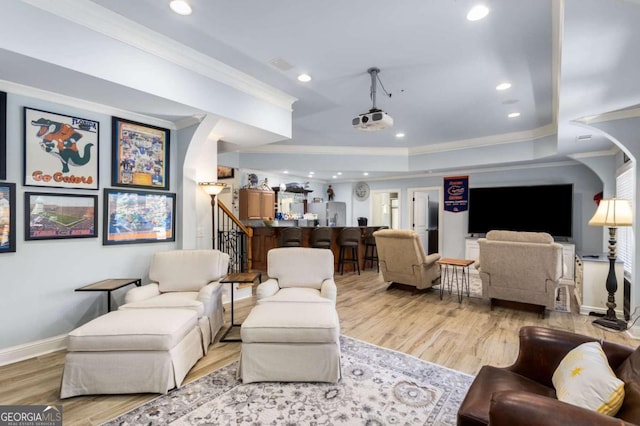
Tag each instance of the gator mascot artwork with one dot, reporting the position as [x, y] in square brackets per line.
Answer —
[60, 140]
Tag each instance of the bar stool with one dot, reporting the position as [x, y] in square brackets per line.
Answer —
[291, 236]
[321, 238]
[348, 239]
[370, 249]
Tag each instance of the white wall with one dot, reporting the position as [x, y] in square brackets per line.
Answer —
[37, 282]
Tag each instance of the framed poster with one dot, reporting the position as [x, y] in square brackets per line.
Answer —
[60, 151]
[49, 216]
[138, 217]
[3, 135]
[225, 172]
[140, 155]
[7, 217]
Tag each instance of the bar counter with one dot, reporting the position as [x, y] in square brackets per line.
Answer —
[266, 237]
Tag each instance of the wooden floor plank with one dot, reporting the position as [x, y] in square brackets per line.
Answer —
[462, 336]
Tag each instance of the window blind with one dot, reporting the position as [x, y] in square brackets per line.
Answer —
[624, 245]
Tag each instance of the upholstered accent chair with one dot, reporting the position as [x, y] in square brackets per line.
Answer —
[298, 274]
[185, 279]
[524, 394]
[521, 267]
[403, 261]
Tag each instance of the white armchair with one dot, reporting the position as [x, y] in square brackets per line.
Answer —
[185, 279]
[298, 274]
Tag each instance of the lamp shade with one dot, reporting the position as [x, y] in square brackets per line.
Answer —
[212, 188]
[613, 212]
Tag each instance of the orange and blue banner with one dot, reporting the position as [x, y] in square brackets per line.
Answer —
[456, 194]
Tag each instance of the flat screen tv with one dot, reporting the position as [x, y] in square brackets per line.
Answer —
[540, 208]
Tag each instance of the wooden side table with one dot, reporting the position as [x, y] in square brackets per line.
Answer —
[109, 285]
[243, 278]
[448, 276]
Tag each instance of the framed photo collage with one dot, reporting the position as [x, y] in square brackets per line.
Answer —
[62, 152]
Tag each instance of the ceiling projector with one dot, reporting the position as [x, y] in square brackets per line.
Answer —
[372, 120]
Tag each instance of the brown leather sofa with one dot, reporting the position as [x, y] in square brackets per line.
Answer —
[523, 394]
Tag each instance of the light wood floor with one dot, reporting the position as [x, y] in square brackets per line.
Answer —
[459, 336]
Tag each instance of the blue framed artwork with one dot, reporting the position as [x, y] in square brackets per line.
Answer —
[140, 155]
[7, 217]
[138, 217]
[51, 216]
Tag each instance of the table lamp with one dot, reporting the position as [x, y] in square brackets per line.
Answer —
[612, 213]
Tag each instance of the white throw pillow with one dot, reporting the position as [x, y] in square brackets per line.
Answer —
[584, 378]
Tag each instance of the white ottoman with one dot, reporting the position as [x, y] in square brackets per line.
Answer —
[290, 342]
[131, 351]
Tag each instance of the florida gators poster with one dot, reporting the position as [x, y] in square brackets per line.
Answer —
[456, 194]
[60, 151]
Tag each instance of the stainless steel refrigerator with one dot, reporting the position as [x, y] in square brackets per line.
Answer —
[331, 213]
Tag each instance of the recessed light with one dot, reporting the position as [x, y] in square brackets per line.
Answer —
[513, 114]
[311, 173]
[503, 86]
[286, 172]
[339, 173]
[365, 174]
[400, 135]
[181, 7]
[477, 12]
[310, 176]
[304, 78]
[334, 176]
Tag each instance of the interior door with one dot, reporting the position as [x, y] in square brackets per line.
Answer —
[420, 219]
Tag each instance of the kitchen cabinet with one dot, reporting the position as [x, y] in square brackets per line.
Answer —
[256, 204]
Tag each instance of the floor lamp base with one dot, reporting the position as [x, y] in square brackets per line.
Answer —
[614, 324]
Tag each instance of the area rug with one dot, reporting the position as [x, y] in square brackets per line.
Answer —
[378, 387]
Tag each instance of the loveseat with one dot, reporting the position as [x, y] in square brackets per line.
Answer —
[521, 267]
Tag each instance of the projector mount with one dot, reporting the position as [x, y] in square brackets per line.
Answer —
[374, 119]
[373, 71]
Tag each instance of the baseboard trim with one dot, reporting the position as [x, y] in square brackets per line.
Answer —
[634, 332]
[32, 349]
[585, 309]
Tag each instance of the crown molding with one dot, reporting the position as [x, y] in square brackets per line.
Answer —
[610, 116]
[19, 89]
[606, 153]
[514, 137]
[325, 150]
[117, 27]
[484, 141]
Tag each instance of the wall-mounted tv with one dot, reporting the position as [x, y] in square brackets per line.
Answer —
[540, 208]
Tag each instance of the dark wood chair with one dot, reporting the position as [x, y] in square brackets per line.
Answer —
[290, 236]
[348, 241]
[321, 238]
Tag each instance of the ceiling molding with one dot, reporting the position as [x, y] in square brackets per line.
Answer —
[610, 116]
[484, 141]
[31, 92]
[325, 150]
[527, 135]
[606, 153]
[115, 26]
[465, 172]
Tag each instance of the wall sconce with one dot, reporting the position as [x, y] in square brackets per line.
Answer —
[213, 189]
